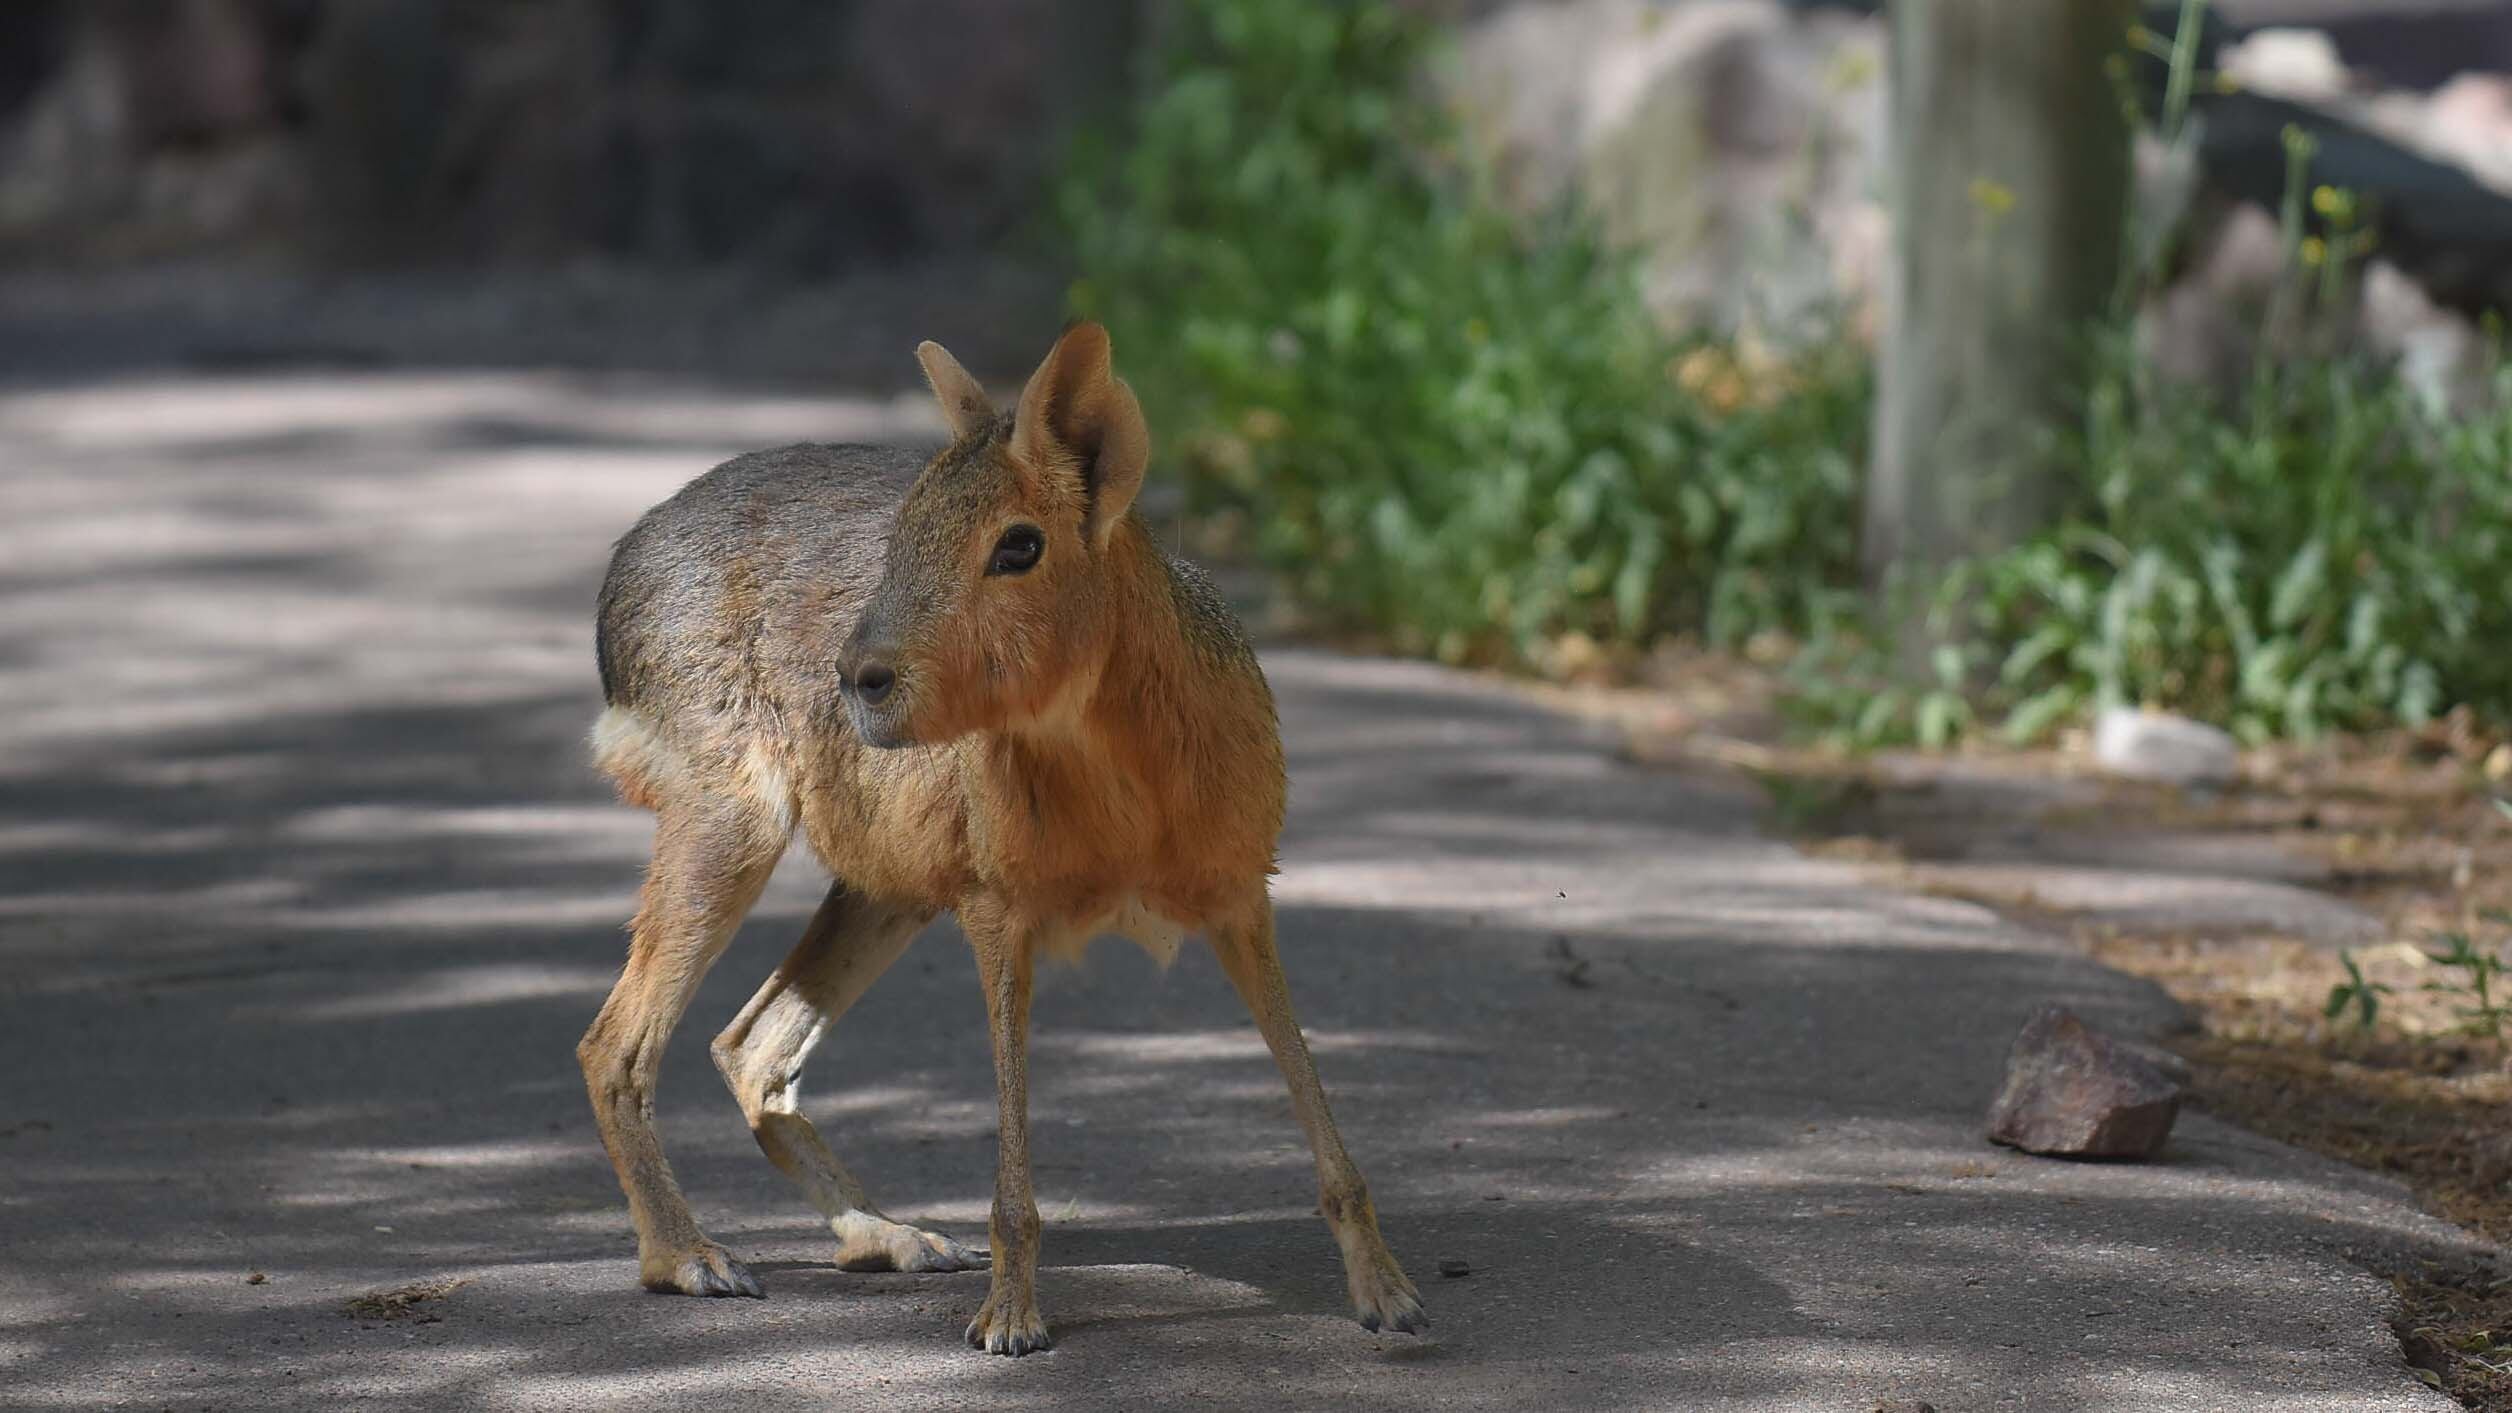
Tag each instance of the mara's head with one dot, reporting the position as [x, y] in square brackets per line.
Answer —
[994, 605]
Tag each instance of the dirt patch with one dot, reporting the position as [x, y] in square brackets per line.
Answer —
[2457, 1335]
[405, 1302]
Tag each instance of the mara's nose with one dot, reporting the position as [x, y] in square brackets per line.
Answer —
[873, 679]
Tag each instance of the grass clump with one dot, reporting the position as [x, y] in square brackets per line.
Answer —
[2320, 552]
[1463, 434]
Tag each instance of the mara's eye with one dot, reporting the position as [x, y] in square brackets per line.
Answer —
[1017, 550]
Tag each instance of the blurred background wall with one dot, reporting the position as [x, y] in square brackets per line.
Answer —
[687, 183]
[580, 181]
[798, 134]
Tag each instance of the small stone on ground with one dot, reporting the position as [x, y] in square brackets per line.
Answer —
[2072, 1092]
[2155, 745]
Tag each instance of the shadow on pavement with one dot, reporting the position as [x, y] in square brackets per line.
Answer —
[306, 893]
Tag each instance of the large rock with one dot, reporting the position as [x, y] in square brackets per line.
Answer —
[2072, 1092]
[1735, 145]
[2301, 64]
[2156, 745]
[2469, 121]
[1736, 148]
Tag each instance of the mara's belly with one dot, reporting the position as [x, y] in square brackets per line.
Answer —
[1130, 918]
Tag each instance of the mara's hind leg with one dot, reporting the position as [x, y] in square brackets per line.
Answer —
[710, 862]
[1381, 1294]
[851, 941]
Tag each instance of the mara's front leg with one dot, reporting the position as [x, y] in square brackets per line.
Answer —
[1382, 1297]
[851, 940]
[1008, 1323]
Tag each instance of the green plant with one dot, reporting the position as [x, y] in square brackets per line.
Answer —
[2483, 1011]
[1844, 686]
[2356, 993]
[2315, 549]
[2321, 553]
[1460, 430]
[1444, 425]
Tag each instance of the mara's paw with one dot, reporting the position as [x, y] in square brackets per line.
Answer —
[1383, 1299]
[1009, 1325]
[869, 1243]
[705, 1269]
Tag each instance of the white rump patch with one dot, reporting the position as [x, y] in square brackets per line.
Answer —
[632, 750]
[628, 749]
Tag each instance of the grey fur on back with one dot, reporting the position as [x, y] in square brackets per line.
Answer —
[745, 582]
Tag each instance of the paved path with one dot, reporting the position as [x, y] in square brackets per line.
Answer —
[306, 893]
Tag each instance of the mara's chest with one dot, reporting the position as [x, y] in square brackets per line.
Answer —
[1063, 833]
[1081, 874]
[1093, 843]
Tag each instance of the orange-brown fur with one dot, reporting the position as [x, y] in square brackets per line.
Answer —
[1048, 752]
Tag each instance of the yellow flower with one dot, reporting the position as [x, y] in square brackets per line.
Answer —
[1693, 371]
[1714, 376]
[1854, 69]
[1996, 198]
[2315, 250]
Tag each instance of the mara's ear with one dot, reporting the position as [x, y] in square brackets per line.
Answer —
[964, 405]
[1075, 407]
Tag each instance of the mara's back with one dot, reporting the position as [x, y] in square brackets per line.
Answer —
[737, 592]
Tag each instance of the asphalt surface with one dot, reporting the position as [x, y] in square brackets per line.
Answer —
[306, 892]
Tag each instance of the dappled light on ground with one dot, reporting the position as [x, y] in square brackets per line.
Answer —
[306, 893]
